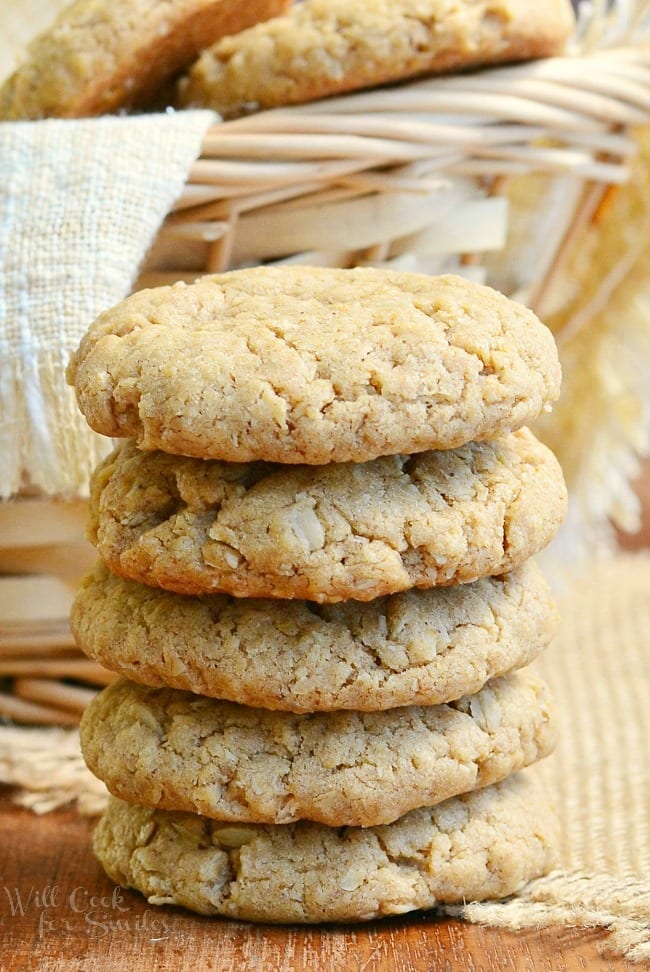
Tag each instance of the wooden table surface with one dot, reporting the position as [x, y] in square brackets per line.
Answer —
[58, 911]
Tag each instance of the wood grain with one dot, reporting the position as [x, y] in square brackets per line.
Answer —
[47, 861]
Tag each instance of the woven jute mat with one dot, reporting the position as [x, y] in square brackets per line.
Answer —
[599, 670]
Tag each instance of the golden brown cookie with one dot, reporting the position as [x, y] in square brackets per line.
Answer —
[178, 751]
[326, 47]
[413, 648]
[482, 845]
[326, 533]
[101, 55]
[304, 365]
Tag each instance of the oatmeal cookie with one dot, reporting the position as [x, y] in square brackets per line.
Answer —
[314, 365]
[178, 751]
[414, 648]
[346, 531]
[486, 844]
[101, 55]
[327, 47]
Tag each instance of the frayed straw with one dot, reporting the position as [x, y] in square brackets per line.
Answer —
[46, 768]
[577, 900]
[601, 425]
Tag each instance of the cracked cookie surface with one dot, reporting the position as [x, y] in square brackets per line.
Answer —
[482, 845]
[100, 55]
[328, 533]
[177, 751]
[326, 47]
[415, 648]
[304, 365]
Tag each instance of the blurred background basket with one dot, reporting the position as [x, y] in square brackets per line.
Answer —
[416, 176]
[534, 178]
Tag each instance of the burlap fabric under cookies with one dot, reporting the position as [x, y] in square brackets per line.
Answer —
[599, 671]
[80, 203]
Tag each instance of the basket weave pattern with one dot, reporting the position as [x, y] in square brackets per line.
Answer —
[413, 176]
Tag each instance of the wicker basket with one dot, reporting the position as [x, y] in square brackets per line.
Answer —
[413, 176]
[506, 175]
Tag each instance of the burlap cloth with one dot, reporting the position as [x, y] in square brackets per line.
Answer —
[80, 204]
[599, 669]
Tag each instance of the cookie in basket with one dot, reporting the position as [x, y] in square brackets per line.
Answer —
[174, 750]
[413, 648]
[326, 533]
[486, 844]
[102, 55]
[326, 47]
[299, 364]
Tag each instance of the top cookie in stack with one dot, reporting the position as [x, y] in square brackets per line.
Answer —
[305, 365]
[330, 436]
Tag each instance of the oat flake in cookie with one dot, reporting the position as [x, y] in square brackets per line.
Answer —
[302, 365]
[486, 844]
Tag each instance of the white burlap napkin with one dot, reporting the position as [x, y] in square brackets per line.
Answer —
[80, 204]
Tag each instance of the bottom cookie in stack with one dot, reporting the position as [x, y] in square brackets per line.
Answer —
[485, 844]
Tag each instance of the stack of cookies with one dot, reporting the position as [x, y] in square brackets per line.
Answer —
[315, 580]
